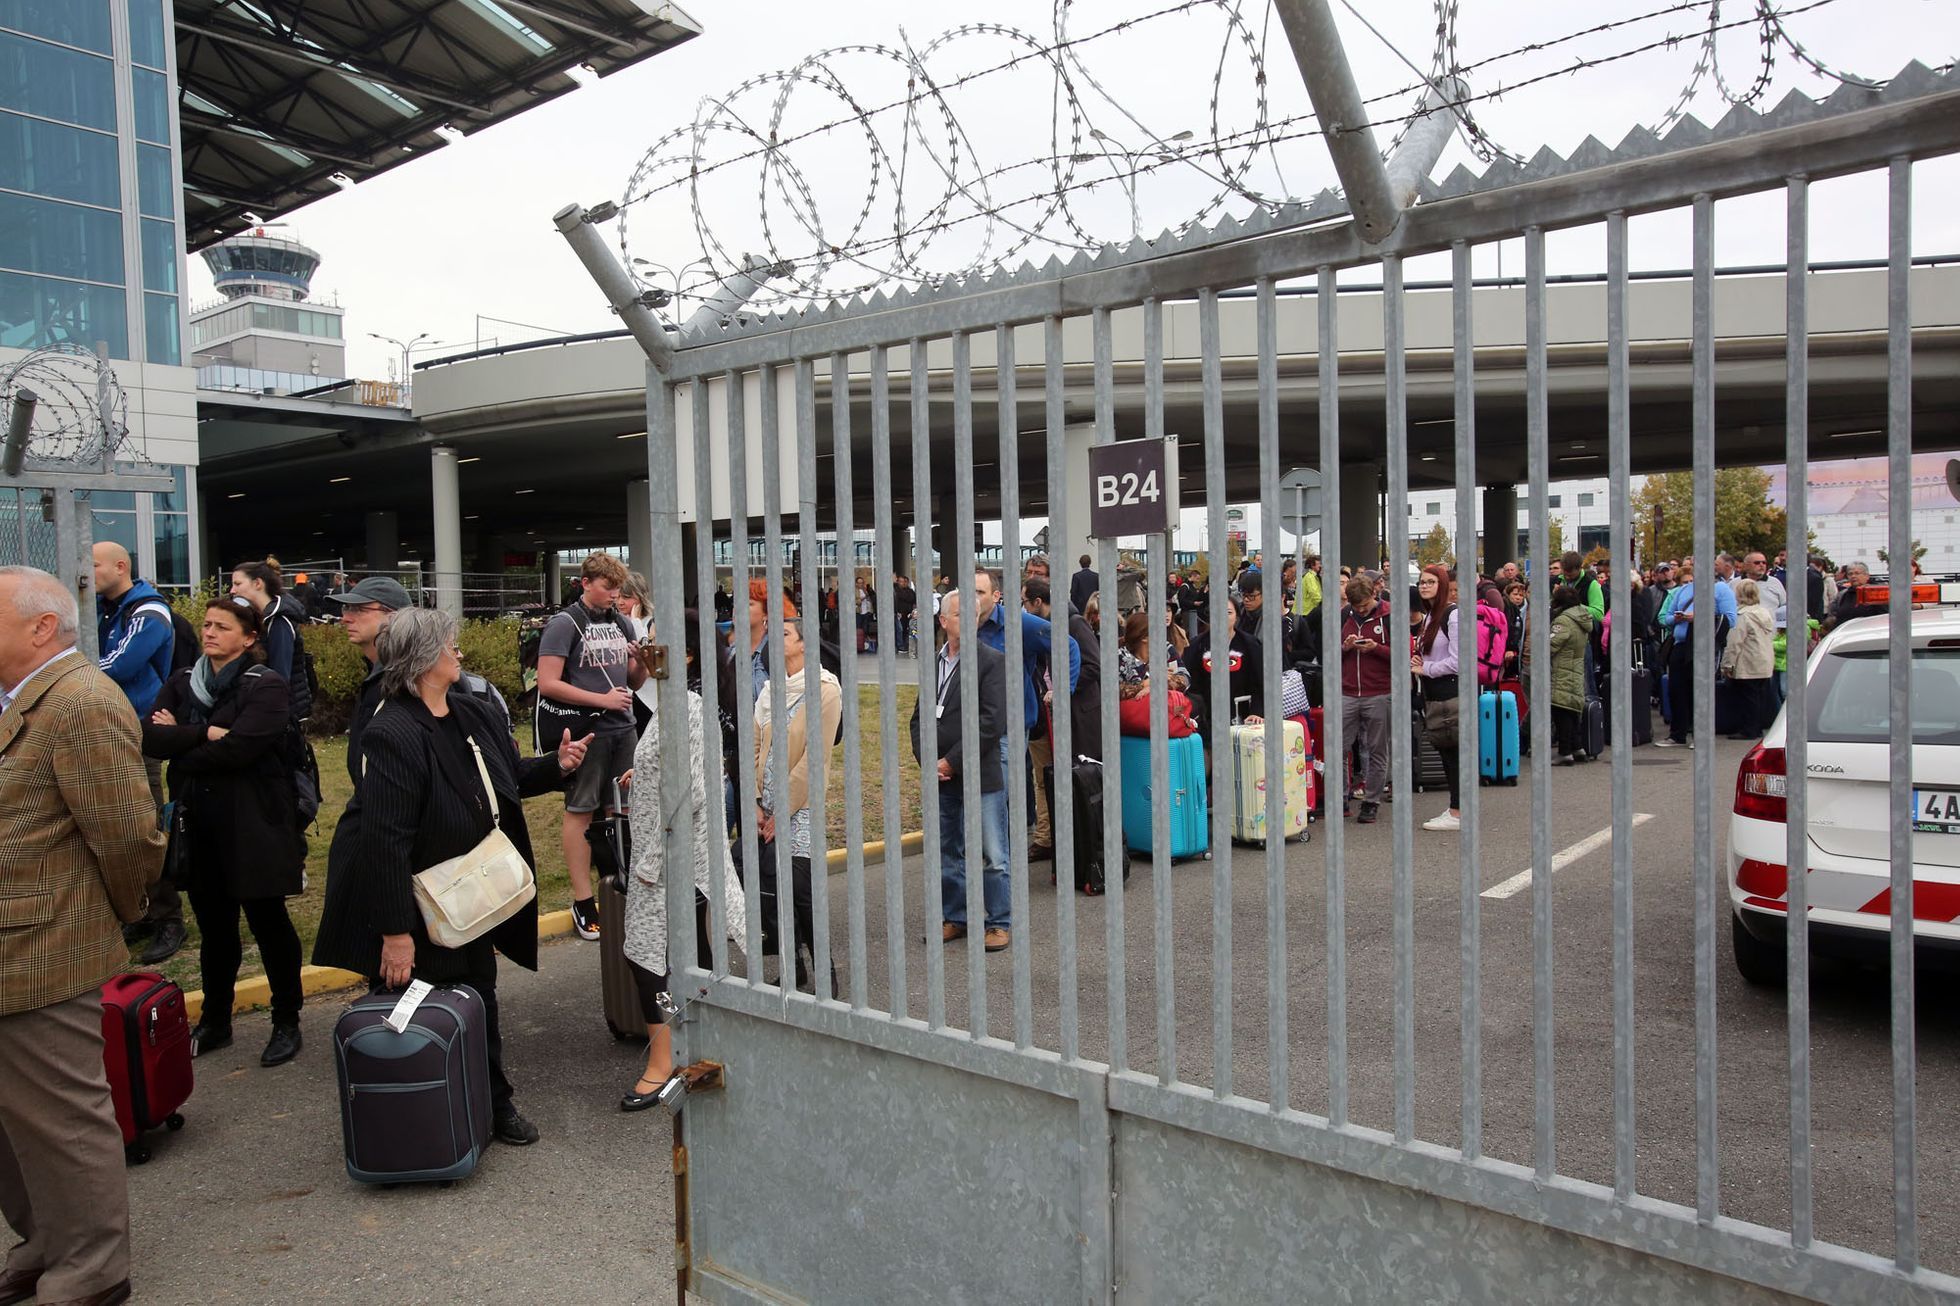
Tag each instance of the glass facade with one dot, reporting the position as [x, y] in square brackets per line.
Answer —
[152, 106]
[83, 23]
[59, 239]
[266, 317]
[146, 34]
[38, 311]
[162, 330]
[156, 190]
[55, 82]
[62, 162]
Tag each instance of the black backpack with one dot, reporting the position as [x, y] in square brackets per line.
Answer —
[185, 647]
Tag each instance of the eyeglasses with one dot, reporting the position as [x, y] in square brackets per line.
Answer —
[362, 607]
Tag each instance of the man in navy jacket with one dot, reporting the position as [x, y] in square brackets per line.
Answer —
[137, 640]
[1037, 643]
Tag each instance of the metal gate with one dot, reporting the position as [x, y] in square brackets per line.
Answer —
[952, 1127]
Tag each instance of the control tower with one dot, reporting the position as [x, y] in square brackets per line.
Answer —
[264, 335]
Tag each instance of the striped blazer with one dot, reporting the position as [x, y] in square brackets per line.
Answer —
[78, 835]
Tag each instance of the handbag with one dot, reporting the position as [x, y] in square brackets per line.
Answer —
[1293, 699]
[1133, 716]
[464, 898]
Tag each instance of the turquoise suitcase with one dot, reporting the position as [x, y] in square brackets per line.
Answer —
[1190, 812]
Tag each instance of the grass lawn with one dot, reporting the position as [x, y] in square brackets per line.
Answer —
[543, 815]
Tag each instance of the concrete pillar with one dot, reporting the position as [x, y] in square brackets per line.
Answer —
[639, 528]
[1361, 515]
[384, 541]
[447, 494]
[1500, 526]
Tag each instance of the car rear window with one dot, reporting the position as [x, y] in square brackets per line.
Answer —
[1851, 697]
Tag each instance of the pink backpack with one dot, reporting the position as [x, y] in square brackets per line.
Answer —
[1492, 633]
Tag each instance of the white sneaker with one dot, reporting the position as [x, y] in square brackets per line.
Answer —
[1447, 821]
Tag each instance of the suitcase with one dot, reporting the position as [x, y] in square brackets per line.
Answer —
[1728, 707]
[414, 1106]
[1497, 737]
[1640, 706]
[1667, 700]
[1593, 727]
[1189, 804]
[1248, 752]
[1086, 789]
[1316, 778]
[619, 995]
[1515, 688]
[146, 1052]
[1427, 772]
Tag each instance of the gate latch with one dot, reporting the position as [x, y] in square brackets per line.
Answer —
[654, 658]
[700, 1077]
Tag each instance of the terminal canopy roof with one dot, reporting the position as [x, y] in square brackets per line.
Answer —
[286, 101]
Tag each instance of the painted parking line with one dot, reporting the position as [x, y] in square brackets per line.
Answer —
[1563, 858]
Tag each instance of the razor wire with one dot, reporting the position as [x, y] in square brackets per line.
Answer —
[925, 171]
[81, 417]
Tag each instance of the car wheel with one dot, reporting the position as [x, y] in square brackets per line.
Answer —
[1760, 963]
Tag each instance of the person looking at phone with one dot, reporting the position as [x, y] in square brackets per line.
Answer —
[586, 677]
[1365, 670]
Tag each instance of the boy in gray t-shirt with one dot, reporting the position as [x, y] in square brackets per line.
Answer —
[586, 677]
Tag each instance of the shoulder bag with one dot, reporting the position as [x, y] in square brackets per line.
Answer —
[464, 898]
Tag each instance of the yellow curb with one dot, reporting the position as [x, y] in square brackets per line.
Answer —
[909, 842]
[257, 992]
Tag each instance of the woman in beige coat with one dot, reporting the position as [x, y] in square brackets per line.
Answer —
[783, 821]
[1750, 660]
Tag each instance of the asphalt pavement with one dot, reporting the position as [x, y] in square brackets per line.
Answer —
[250, 1203]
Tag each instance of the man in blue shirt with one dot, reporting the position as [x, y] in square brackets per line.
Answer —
[1679, 613]
[1037, 645]
[137, 638]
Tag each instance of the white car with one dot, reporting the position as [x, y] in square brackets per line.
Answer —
[1849, 820]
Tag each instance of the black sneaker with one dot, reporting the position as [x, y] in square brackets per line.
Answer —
[169, 938]
[512, 1128]
[137, 931]
[1367, 814]
[282, 1047]
[585, 918]
[209, 1038]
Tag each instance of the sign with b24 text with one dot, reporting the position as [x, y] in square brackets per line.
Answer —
[1132, 488]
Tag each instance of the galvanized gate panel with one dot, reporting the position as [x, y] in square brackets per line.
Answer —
[1013, 1131]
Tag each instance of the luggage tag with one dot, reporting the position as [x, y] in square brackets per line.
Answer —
[404, 1011]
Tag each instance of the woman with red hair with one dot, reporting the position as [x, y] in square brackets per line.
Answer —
[1434, 661]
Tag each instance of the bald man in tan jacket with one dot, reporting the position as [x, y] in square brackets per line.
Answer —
[78, 843]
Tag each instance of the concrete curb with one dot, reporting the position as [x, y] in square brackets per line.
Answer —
[256, 992]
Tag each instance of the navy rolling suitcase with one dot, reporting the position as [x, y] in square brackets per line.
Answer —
[1190, 808]
[1497, 737]
[414, 1105]
[1593, 733]
[1640, 704]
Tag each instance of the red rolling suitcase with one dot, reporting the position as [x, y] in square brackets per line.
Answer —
[146, 1050]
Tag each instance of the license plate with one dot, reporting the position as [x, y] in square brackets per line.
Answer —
[1936, 811]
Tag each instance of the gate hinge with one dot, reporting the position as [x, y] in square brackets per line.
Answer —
[654, 658]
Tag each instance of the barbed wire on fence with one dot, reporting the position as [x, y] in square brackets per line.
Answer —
[81, 413]
[924, 172]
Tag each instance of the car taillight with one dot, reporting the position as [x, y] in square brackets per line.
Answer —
[1760, 785]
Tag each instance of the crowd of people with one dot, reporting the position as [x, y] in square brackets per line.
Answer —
[176, 767]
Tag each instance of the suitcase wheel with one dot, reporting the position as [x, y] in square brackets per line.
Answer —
[173, 1122]
[136, 1154]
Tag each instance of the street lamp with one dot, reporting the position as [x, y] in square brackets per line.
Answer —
[1127, 179]
[405, 346]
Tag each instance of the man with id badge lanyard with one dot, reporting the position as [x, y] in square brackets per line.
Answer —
[955, 755]
[586, 677]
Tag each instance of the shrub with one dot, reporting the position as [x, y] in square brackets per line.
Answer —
[189, 604]
[489, 649]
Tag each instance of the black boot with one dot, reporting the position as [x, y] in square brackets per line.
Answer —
[283, 1046]
[169, 938]
[207, 1037]
[512, 1128]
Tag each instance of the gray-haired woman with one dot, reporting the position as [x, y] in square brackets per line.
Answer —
[421, 801]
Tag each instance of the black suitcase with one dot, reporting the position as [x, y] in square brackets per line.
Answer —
[414, 1106]
[1640, 706]
[1593, 727]
[1428, 772]
[1091, 874]
[619, 993]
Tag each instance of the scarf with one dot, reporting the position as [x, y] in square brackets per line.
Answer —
[208, 687]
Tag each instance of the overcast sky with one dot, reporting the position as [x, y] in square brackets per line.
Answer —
[467, 231]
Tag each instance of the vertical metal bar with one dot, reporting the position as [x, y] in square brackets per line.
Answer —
[1160, 815]
[816, 740]
[1469, 874]
[713, 765]
[1222, 803]
[972, 740]
[1400, 712]
[1707, 1174]
[1053, 394]
[779, 726]
[1796, 742]
[1619, 437]
[924, 514]
[1545, 1134]
[1898, 390]
[744, 686]
[1328, 403]
[1007, 409]
[853, 794]
[886, 563]
[1273, 628]
[1107, 556]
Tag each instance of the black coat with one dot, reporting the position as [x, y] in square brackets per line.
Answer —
[242, 814]
[414, 808]
[993, 715]
[1248, 681]
[1085, 706]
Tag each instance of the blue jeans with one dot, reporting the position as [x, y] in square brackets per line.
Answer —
[993, 853]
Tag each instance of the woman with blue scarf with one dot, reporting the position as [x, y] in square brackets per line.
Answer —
[219, 723]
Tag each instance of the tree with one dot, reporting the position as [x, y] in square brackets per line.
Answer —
[1435, 547]
[1745, 520]
[1918, 552]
